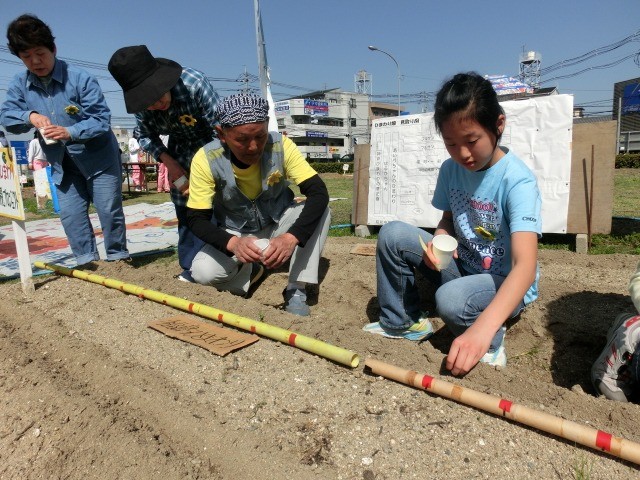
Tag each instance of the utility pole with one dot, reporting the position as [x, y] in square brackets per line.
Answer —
[245, 81]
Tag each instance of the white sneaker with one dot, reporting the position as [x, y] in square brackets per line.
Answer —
[611, 372]
[498, 358]
[421, 330]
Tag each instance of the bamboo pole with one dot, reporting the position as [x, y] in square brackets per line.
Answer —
[560, 427]
[323, 349]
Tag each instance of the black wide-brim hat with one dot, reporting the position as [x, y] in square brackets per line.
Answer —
[143, 77]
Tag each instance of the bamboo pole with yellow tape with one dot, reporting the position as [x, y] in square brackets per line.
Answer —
[560, 427]
[323, 349]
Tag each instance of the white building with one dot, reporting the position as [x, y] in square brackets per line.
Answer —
[325, 125]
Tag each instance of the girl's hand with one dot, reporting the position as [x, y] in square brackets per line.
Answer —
[467, 349]
[429, 259]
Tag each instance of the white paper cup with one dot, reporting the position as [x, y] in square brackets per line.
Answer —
[443, 248]
[262, 243]
[48, 141]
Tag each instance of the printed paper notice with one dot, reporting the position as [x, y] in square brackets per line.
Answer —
[407, 152]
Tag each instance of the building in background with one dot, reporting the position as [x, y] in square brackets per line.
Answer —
[327, 124]
[626, 109]
[122, 136]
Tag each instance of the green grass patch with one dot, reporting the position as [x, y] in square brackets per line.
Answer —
[626, 185]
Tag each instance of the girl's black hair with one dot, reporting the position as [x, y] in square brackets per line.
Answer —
[28, 31]
[468, 96]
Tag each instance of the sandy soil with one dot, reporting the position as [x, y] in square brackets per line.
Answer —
[89, 391]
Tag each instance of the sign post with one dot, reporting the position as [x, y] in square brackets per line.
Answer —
[11, 206]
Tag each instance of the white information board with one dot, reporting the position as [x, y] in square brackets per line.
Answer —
[406, 154]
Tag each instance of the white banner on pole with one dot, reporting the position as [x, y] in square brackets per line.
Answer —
[407, 152]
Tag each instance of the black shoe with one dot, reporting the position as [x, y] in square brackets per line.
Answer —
[295, 301]
[257, 271]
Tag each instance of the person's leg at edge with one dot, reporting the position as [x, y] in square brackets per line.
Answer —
[135, 176]
[163, 181]
[73, 198]
[106, 192]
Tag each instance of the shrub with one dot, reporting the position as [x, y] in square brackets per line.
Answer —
[331, 167]
[628, 160]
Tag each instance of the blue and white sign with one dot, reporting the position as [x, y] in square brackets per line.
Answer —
[505, 85]
[21, 151]
[311, 133]
[631, 99]
[316, 107]
[282, 108]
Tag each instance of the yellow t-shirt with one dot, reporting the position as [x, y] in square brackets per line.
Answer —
[248, 180]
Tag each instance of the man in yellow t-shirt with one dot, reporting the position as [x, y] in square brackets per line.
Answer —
[241, 207]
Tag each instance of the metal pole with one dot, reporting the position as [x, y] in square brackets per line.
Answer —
[373, 49]
[618, 126]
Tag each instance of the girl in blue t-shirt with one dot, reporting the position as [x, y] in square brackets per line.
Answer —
[491, 205]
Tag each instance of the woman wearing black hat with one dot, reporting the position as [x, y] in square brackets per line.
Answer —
[168, 99]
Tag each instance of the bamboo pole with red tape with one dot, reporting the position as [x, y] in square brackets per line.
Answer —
[560, 427]
[323, 349]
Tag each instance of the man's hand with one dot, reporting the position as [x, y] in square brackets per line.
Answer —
[245, 249]
[279, 250]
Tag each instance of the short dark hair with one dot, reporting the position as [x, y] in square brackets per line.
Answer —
[28, 31]
[468, 96]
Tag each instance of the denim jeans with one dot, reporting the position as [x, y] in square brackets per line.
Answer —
[460, 296]
[75, 194]
[188, 244]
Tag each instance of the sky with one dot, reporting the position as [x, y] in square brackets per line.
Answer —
[321, 44]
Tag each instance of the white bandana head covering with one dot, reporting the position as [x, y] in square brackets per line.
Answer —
[242, 108]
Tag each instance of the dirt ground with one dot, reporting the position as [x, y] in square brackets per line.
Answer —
[90, 392]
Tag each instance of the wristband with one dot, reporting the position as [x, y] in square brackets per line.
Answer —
[180, 182]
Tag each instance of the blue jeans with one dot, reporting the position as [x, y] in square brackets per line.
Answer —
[75, 194]
[460, 298]
[188, 244]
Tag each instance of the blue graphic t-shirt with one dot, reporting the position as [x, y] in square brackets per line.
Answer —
[487, 207]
